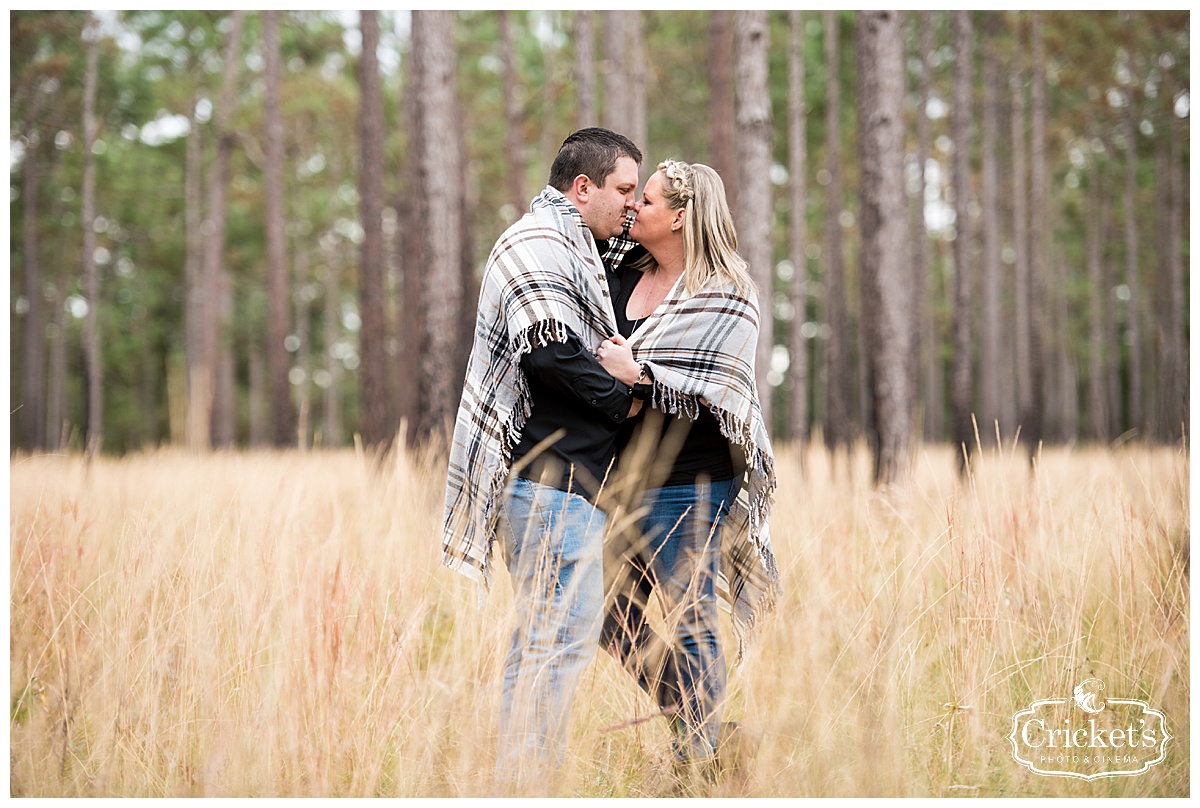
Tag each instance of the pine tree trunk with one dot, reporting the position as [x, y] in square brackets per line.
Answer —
[376, 424]
[635, 126]
[1097, 405]
[333, 412]
[202, 395]
[797, 151]
[990, 356]
[927, 392]
[754, 201]
[91, 278]
[1032, 419]
[33, 327]
[304, 349]
[960, 125]
[194, 260]
[279, 394]
[258, 396]
[1133, 282]
[441, 270]
[410, 246]
[837, 428]
[1176, 381]
[887, 321]
[612, 70]
[514, 141]
[57, 398]
[1022, 302]
[721, 110]
[585, 68]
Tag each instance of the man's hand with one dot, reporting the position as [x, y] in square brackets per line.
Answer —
[616, 357]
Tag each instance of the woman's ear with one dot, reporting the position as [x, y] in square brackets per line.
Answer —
[678, 223]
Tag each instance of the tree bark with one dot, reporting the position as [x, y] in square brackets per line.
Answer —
[887, 321]
[754, 157]
[635, 126]
[91, 278]
[376, 423]
[1097, 405]
[990, 355]
[1175, 394]
[33, 328]
[1032, 419]
[721, 110]
[1133, 283]
[332, 366]
[797, 150]
[1023, 302]
[434, 49]
[194, 264]
[960, 124]
[585, 68]
[279, 394]
[203, 393]
[837, 427]
[612, 70]
[925, 345]
[410, 247]
[514, 141]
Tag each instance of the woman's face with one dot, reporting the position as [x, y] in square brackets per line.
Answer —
[656, 221]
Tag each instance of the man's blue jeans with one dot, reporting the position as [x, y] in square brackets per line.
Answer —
[553, 547]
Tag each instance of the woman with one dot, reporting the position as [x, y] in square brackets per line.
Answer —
[688, 318]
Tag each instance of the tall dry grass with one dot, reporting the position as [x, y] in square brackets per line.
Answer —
[279, 624]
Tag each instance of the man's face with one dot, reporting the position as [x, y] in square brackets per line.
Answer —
[607, 206]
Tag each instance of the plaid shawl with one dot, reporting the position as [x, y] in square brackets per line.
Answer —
[543, 279]
[702, 346]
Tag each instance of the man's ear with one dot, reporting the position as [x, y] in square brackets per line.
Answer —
[581, 186]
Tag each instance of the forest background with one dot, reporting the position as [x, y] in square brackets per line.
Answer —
[234, 229]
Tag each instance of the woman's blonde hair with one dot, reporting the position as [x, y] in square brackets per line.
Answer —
[710, 240]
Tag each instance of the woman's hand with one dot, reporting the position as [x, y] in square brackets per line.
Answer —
[616, 357]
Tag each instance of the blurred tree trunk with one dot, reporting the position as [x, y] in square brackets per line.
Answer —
[635, 127]
[585, 69]
[33, 327]
[797, 151]
[194, 260]
[1112, 328]
[410, 247]
[57, 398]
[91, 278]
[615, 77]
[990, 355]
[552, 123]
[721, 111]
[960, 127]
[469, 289]
[927, 393]
[1097, 405]
[514, 141]
[1023, 303]
[332, 365]
[224, 423]
[441, 270]
[279, 394]
[754, 199]
[376, 419]
[887, 320]
[258, 396]
[837, 427]
[1032, 419]
[1175, 392]
[1132, 280]
[202, 397]
[303, 299]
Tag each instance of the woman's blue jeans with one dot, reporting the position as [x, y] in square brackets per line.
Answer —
[553, 547]
[678, 557]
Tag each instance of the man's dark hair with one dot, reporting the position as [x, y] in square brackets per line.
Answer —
[592, 152]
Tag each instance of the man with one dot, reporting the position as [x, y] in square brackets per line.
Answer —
[537, 402]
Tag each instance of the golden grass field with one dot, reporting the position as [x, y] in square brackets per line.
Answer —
[279, 624]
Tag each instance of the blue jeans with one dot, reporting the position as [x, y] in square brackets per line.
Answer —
[678, 555]
[553, 547]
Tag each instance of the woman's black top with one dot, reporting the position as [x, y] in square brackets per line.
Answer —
[705, 453]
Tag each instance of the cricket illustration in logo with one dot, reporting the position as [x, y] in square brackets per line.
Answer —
[1087, 695]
